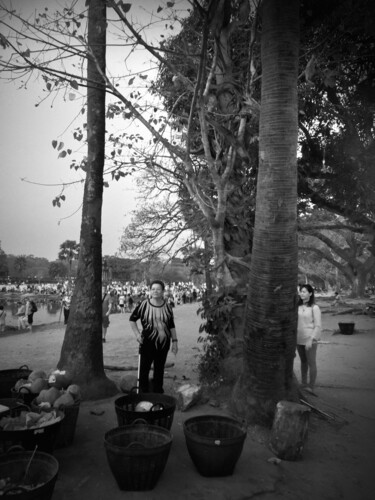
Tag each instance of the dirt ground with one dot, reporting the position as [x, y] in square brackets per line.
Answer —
[338, 460]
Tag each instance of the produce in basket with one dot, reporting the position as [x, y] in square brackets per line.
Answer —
[65, 399]
[60, 379]
[36, 382]
[35, 374]
[48, 396]
[9, 488]
[28, 420]
[144, 406]
[75, 391]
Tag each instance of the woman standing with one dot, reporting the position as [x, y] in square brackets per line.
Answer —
[66, 305]
[158, 332]
[308, 333]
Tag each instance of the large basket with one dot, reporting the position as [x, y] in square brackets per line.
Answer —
[42, 473]
[8, 379]
[137, 455]
[161, 413]
[214, 443]
[45, 437]
[65, 436]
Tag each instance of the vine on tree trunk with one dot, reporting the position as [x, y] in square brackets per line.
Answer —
[217, 335]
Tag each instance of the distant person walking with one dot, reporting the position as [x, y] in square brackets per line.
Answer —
[308, 333]
[30, 309]
[21, 310]
[121, 302]
[158, 332]
[3, 316]
[66, 302]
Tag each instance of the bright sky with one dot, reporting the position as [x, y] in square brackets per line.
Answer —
[29, 224]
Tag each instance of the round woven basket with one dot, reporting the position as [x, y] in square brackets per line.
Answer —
[161, 413]
[347, 328]
[137, 455]
[214, 443]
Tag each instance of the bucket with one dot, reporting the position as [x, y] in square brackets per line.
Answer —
[40, 480]
[66, 433]
[160, 414]
[45, 437]
[8, 379]
[137, 455]
[214, 443]
[347, 328]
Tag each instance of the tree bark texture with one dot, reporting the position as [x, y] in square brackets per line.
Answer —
[82, 351]
[289, 430]
[271, 317]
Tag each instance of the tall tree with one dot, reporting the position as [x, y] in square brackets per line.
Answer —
[82, 351]
[270, 331]
[20, 264]
[4, 268]
[69, 251]
[56, 270]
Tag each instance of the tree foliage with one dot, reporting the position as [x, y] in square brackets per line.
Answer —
[69, 251]
[57, 270]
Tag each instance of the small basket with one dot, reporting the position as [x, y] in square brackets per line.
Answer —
[65, 436]
[126, 413]
[42, 473]
[8, 379]
[214, 443]
[137, 455]
[347, 328]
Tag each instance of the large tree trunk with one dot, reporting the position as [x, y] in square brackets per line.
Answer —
[82, 351]
[271, 319]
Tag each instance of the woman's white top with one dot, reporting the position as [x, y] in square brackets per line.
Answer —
[309, 323]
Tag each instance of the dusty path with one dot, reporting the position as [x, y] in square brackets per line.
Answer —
[337, 462]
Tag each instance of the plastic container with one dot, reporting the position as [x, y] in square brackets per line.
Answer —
[8, 379]
[161, 413]
[137, 455]
[42, 473]
[214, 443]
[45, 437]
[65, 436]
[347, 328]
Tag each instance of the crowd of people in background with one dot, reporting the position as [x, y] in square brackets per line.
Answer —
[123, 297]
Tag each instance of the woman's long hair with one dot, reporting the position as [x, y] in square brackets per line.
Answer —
[310, 289]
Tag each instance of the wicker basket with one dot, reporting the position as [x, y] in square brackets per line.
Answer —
[65, 436]
[137, 455]
[43, 473]
[347, 328]
[8, 379]
[214, 443]
[161, 414]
